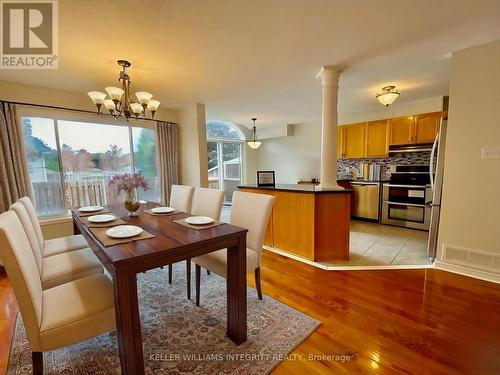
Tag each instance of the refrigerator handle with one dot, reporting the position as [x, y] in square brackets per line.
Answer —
[431, 162]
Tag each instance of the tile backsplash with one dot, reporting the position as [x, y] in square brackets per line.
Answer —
[346, 166]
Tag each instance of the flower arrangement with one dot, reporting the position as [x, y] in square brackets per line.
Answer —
[128, 182]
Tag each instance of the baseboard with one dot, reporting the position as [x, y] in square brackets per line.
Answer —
[465, 271]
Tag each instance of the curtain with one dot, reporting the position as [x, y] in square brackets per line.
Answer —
[14, 176]
[167, 141]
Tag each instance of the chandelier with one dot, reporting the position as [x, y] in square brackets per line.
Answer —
[388, 96]
[254, 143]
[119, 102]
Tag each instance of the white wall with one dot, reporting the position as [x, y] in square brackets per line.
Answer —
[193, 146]
[470, 218]
[293, 158]
[399, 108]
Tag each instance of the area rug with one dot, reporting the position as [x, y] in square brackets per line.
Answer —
[180, 338]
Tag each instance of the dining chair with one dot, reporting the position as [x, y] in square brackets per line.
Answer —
[251, 211]
[181, 197]
[206, 202]
[56, 317]
[59, 268]
[56, 245]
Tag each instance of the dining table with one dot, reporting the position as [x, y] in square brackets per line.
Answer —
[172, 242]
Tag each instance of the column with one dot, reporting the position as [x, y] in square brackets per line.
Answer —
[330, 82]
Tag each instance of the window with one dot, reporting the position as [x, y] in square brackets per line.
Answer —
[87, 154]
[224, 156]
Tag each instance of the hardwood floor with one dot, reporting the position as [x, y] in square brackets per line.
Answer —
[393, 322]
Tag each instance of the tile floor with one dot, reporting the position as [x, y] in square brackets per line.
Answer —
[374, 244]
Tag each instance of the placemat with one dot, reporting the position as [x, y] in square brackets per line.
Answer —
[101, 235]
[198, 227]
[83, 214]
[113, 223]
[166, 214]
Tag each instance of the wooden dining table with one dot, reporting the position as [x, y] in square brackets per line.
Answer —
[172, 242]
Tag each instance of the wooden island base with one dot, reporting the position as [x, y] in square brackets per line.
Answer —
[307, 222]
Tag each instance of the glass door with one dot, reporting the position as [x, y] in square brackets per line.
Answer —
[231, 167]
[224, 166]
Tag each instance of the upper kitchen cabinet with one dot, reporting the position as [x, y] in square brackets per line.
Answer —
[352, 141]
[377, 139]
[340, 142]
[426, 127]
[401, 130]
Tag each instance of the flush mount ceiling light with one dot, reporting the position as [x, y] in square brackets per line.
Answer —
[119, 102]
[254, 143]
[388, 96]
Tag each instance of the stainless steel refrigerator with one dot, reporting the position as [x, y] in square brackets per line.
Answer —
[436, 171]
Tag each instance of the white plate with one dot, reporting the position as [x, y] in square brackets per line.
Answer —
[124, 231]
[90, 208]
[199, 220]
[162, 210]
[101, 218]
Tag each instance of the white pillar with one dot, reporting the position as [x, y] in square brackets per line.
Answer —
[330, 82]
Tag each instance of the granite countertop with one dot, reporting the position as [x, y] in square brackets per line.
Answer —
[301, 188]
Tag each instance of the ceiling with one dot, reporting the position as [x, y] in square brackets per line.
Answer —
[260, 57]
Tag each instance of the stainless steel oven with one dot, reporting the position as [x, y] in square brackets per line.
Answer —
[404, 198]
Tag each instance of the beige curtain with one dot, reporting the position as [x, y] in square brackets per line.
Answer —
[167, 140]
[14, 176]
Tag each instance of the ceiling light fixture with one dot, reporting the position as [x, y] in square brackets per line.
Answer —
[254, 143]
[388, 96]
[119, 102]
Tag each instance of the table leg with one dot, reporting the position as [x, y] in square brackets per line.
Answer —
[76, 230]
[128, 324]
[237, 292]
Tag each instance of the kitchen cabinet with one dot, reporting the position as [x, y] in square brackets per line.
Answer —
[377, 141]
[352, 141]
[415, 129]
[426, 127]
[340, 142]
[401, 130]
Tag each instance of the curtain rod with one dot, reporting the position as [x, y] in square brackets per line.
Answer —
[75, 110]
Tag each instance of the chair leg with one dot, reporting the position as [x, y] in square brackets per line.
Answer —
[37, 358]
[257, 282]
[170, 272]
[198, 283]
[208, 272]
[188, 276]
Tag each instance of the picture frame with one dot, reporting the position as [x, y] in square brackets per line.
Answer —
[266, 178]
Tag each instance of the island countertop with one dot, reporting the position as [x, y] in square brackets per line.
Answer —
[299, 188]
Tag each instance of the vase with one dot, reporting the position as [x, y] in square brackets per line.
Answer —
[131, 203]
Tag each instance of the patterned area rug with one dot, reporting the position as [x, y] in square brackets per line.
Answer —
[181, 338]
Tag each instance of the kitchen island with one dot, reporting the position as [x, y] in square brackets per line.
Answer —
[307, 221]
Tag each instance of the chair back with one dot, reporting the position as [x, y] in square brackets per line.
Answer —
[25, 220]
[23, 274]
[252, 211]
[208, 202]
[34, 219]
[181, 197]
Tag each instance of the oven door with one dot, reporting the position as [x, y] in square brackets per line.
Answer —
[404, 205]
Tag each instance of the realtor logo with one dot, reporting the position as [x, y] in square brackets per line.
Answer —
[29, 34]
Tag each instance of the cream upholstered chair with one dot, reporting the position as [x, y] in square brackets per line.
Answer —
[56, 317]
[251, 211]
[206, 202]
[59, 268]
[56, 245]
[181, 197]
